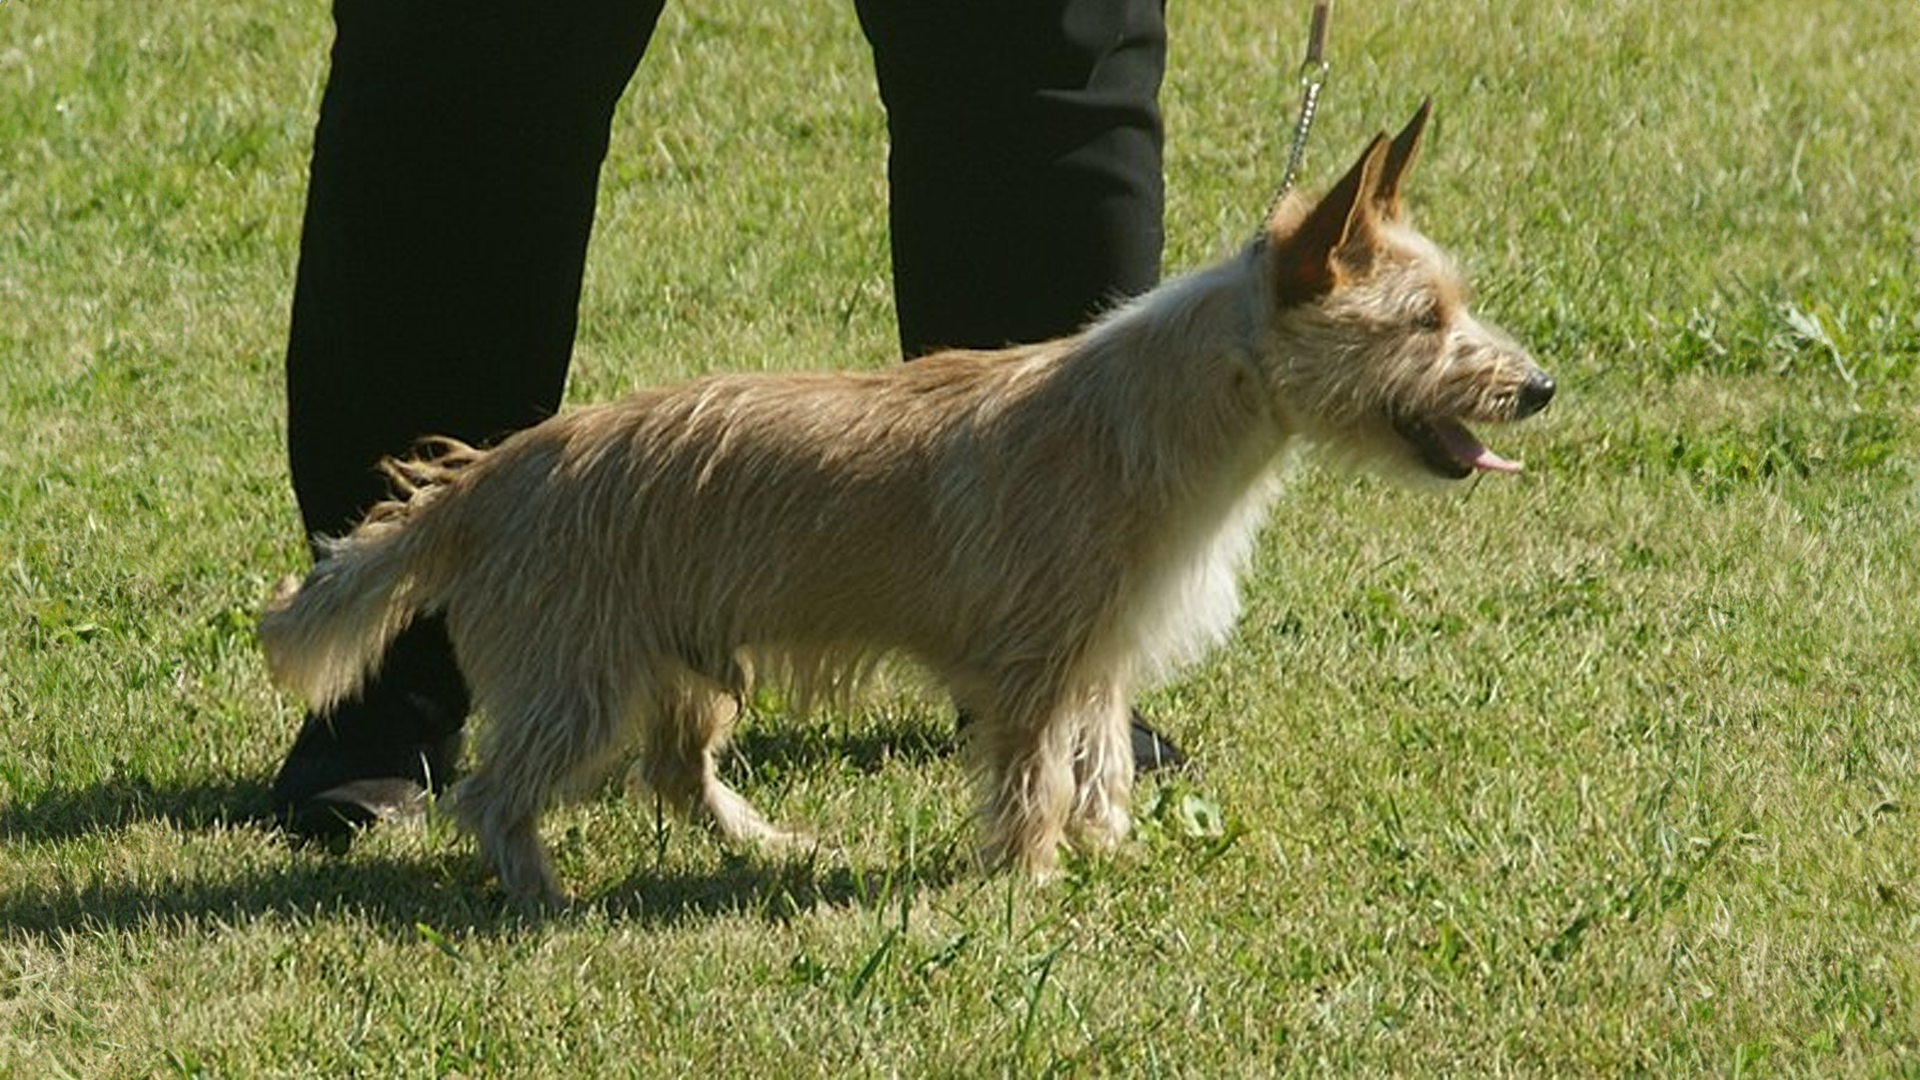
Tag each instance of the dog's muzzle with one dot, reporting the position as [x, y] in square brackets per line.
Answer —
[1449, 449]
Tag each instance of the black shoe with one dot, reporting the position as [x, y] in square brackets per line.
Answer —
[1153, 751]
[366, 762]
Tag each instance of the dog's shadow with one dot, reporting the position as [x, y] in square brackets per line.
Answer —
[771, 743]
[443, 889]
[117, 805]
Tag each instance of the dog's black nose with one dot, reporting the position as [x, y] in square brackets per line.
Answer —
[1534, 395]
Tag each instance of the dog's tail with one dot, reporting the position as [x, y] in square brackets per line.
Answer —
[324, 636]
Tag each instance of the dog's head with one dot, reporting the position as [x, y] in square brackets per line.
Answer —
[1372, 353]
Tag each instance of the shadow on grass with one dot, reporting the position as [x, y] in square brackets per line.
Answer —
[120, 804]
[444, 890]
[786, 745]
[445, 894]
[769, 889]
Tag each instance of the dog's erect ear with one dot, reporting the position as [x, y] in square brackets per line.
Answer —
[1303, 256]
[1400, 155]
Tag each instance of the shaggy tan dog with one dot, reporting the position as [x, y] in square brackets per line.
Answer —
[1045, 529]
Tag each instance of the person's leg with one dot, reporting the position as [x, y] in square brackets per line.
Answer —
[1025, 171]
[450, 199]
[1025, 162]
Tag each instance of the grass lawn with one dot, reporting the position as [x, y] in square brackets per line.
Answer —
[1609, 769]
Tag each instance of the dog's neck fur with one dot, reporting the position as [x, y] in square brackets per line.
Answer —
[1197, 408]
[1180, 398]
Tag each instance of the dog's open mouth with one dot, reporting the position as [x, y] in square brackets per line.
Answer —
[1449, 449]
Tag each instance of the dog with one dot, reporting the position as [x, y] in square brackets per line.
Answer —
[1045, 529]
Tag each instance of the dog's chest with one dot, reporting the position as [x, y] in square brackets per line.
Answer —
[1189, 597]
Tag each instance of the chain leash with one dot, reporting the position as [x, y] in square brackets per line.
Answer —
[1313, 76]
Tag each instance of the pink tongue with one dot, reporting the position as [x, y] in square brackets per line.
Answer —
[1468, 450]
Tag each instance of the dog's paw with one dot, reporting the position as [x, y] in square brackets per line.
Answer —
[542, 902]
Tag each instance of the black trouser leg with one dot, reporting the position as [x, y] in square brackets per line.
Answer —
[1025, 164]
[450, 200]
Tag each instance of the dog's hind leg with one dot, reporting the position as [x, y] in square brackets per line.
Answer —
[678, 761]
[534, 745]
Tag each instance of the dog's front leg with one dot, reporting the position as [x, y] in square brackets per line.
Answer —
[1102, 771]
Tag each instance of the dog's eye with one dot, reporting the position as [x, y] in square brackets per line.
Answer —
[1429, 318]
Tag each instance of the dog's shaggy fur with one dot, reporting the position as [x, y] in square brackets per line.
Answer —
[1045, 529]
